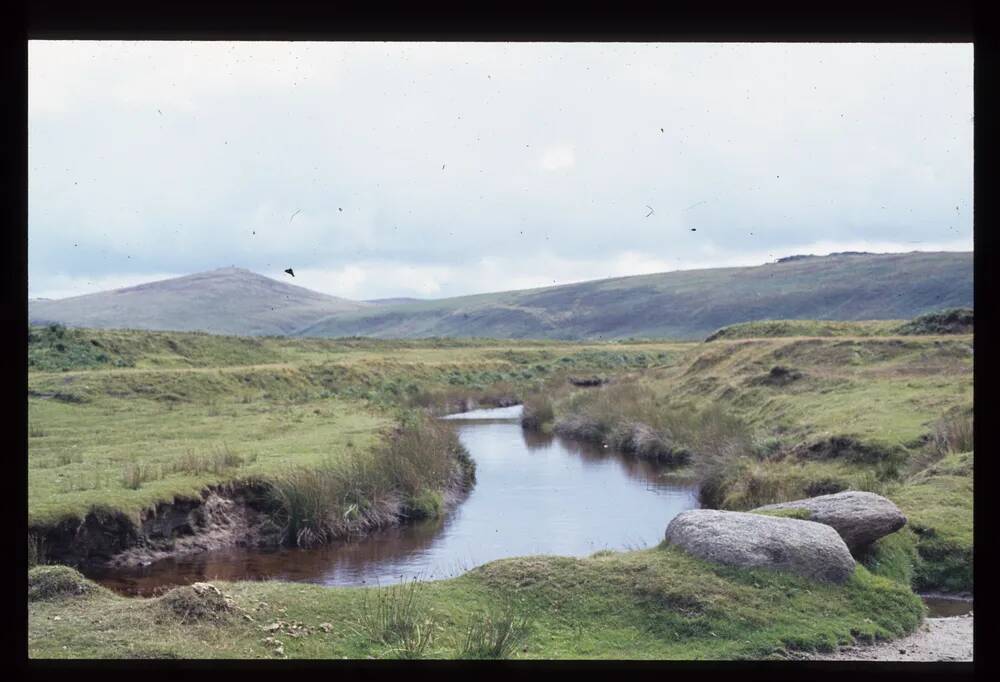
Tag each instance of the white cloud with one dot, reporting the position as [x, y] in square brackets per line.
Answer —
[557, 158]
[466, 168]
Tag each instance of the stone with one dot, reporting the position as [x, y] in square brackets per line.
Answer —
[859, 517]
[809, 549]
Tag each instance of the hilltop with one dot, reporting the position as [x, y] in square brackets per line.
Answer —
[686, 304]
[223, 301]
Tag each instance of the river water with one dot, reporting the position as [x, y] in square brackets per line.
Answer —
[534, 494]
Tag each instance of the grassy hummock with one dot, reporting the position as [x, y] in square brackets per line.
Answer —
[657, 603]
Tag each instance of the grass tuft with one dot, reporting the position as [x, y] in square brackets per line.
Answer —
[196, 603]
[496, 633]
[53, 582]
[399, 617]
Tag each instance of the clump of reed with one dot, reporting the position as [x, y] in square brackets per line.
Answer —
[495, 634]
[537, 411]
[134, 474]
[953, 434]
[398, 616]
[626, 416]
[404, 477]
[216, 462]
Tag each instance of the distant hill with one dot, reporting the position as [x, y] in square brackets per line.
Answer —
[223, 301]
[402, 300]
[687, 304]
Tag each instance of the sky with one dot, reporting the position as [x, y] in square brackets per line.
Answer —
[443, 169]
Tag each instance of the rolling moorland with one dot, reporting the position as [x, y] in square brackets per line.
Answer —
[686, 305]
[125, 425]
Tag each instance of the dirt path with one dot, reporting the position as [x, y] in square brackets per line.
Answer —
[937, 639]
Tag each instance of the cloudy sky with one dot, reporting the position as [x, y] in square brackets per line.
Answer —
[441, 169]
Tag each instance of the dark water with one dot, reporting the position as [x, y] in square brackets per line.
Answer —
[945, 607]
[534, 495]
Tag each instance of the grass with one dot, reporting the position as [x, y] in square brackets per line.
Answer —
[815, 328]
[337, 428]
[495, 634]
[193, 410]
[406, 476]
[399, 617]
[948, 321]
[57, 582]
[938, 502]
[656, 603]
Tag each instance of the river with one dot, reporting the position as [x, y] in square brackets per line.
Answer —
[534, 494]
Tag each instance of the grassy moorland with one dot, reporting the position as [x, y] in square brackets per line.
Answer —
[769, 419]
[125, 419]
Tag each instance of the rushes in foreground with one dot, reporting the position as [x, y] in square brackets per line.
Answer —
[398, 616]
[495, 634]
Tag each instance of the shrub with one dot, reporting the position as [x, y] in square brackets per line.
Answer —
[495, 634]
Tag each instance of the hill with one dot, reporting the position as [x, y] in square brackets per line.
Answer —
[687, 304]
[223, 301]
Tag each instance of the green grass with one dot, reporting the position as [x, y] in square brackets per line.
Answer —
[194, 410]
[938, 503]
[819, 328]
[948, 321]
[651, 604]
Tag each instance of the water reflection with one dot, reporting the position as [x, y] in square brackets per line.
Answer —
[535, 494]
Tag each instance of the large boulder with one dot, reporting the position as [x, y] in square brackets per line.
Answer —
[859, 517]
[748, 540]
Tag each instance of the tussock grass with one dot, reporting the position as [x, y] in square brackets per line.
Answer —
[626, 416]
[495, 633]
[55, 582]
[217, 461]
[398, 616]
[196, 603]
[947, 321]
[134, 474]
[537, 412]
[954, 434]
[403, 477]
